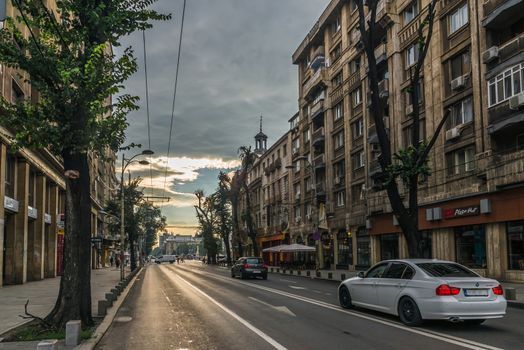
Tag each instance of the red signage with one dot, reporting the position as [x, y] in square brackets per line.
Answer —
[461, 212]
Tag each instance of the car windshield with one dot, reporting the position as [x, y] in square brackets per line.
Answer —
[254, 261]
[446, 270]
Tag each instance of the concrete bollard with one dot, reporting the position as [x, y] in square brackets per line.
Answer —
[109, 298]
[510, 293]
[308, 273]
[299, 272]
[317, 273]
[330, 275]
[102, 307]
[47, 345]
[73, 329]
[342, 276]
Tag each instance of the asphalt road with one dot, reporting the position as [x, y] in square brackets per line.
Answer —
[193, 306]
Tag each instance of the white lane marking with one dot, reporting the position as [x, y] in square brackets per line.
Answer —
[167, 298]
[295, 287]
[287, 281]
[254, 329]
[282, 309]
[466, 343]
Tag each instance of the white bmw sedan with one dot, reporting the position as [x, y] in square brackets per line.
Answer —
[423, 289]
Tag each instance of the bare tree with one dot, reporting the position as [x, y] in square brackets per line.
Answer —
[248, 157]
[407, 166]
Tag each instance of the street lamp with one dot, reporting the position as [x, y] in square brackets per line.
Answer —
[314, 202]
[125, 164]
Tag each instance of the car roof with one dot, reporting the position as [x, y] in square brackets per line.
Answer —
[419, 261]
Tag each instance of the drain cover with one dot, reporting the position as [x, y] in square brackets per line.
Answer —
[123, 319]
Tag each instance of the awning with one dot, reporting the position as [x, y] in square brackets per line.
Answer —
[504, 14]
[289, 248]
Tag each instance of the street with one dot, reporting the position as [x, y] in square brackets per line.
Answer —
[194, 306]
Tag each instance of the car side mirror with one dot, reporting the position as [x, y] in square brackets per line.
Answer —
[361, 274]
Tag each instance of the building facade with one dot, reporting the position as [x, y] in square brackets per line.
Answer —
[472, 205]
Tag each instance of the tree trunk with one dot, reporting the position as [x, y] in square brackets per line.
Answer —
[228, 249]
[132, 249]
[74, 296]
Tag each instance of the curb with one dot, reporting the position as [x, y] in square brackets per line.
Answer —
[515, 304]
[108, 319]
[311, 276]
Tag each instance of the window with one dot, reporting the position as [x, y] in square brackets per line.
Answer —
[345, 249]
[426, 243]
[356, 193]
[352, 5]
[354, 66]
[407, 133]
[411, 55]
[354, 36]
[336, 53]
[458, 18]
[395, 270]
[460, 65]
[17, 95]
[338, 111]
[307, 136]
[31, 191]
[296, 145]
[358, 160]
[297, 213]
[358, 129]
[339, 140]
[309, 184]
[341, 198]
[296, 189]
[420, 93]
[461, 161]
[377, 271]
[446, 270]
[284, 150]
[10, 175]
[461, 112]
[515, 238]
[505, 85]
[337, 80]
[339, 171]
[389, 247]
[470, 244]
[356, 97]
[335, 26]
[410, 12]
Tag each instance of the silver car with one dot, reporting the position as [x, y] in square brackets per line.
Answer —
[423, 289]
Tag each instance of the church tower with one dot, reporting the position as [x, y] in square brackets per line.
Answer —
[260, 141]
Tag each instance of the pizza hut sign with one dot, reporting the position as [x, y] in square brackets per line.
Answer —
[461, 212]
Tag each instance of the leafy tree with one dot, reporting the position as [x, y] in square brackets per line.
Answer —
[408, 167]
[207, 219]
[68, 61]
[151, 222]
[234, 197]
[223, 211]
[248, 158]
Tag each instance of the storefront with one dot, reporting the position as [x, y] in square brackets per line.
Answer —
[328, 256]
[484, 232]
[264, 242]
[363, 249]
[344, 249]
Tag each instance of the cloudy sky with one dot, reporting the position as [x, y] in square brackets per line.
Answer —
[235, 66]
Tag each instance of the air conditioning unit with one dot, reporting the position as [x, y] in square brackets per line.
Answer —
[409, 109]
[459, 83]
[517, 101]
[490, 54]
[453, 133]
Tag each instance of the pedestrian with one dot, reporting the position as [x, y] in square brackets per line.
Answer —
[111, 261]
[117, 262]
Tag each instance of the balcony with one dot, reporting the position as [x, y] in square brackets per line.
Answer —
[500, 12]
[511, 48]
[319, 162]
[383, 88]
[506, 169]
[319, 137]
[319, 59]
[317, 109]
[382, 17]
[321, 190]
[381, 54]
[317, 78]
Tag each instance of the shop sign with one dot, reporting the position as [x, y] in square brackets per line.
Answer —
[461, 212]
[32, 212]
[47, 218]
[11, 204]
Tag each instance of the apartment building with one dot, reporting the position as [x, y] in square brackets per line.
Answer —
[472, 204]
[33, 191]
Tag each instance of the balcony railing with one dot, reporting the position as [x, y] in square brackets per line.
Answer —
[318, 135]
[317, 109]
[319, 76]
[511, 48]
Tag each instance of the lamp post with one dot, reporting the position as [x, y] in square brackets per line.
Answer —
[125, 164]
[314, 203]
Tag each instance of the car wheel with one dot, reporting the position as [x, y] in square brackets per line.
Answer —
[474, 322]
[344, 298]
[408, 312]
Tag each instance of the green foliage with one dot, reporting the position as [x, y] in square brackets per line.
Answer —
[73, 72]
[406, 165]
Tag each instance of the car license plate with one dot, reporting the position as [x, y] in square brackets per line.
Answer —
[476, 292]
[256, 271]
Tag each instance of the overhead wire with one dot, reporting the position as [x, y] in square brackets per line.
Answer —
[147, 110]
[174, 95]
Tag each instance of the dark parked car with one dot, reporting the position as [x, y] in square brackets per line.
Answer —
[249, 267]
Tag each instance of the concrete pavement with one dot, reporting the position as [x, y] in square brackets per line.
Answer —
[42, 296]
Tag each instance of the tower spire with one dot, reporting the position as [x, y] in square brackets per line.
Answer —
[260, 123]
[260, 141]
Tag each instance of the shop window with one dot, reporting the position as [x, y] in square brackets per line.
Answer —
[426, 241]
[515, 245]
[470, 242]
[363, 248]
[345, 249]
[389, 247]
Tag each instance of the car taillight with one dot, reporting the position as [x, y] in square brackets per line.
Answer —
[444, 289]
[247, 266]
[264, 266]
[498, 290]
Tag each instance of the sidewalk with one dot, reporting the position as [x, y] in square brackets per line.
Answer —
[340, 275]
[42, 296]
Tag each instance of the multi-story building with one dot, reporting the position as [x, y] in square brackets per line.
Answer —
[471, 207]
[32, 190]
